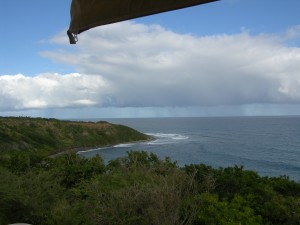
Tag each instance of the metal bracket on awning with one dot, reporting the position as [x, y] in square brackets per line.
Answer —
[72, 37]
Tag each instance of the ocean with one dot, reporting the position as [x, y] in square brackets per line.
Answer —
[267, 145]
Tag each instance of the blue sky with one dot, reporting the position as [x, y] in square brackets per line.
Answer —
[26, 26]
[231, 57]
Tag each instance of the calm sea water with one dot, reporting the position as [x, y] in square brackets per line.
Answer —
[268, 145]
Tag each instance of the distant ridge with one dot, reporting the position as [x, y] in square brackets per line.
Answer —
[54, 136]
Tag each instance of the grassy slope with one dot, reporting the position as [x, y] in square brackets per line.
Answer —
[22, 133]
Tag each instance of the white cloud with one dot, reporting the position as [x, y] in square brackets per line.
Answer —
[134, 65]
[152, 66]
[51, 90]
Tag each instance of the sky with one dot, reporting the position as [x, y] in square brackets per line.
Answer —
[226, 58]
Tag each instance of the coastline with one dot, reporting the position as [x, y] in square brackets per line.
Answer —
[87, 149]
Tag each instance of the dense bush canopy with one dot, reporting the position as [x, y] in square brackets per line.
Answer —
[139, 189]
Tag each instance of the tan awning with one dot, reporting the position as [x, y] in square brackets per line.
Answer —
[86, 14]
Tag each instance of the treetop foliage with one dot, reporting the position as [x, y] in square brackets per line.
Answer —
[142, 189]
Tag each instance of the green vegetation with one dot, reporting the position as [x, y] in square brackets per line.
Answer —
[137, 189]
[140, 189]
[52, 136]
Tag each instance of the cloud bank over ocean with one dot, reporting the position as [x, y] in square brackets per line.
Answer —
[135, 65]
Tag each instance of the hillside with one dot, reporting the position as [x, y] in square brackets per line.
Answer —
[52, 135]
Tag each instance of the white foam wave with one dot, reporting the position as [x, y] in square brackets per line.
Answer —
[160, 142]
[180, 137]
[123, 145]
[90, 150]
[169, 136]
[166, 138]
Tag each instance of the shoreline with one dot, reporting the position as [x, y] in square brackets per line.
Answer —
[86, 149]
